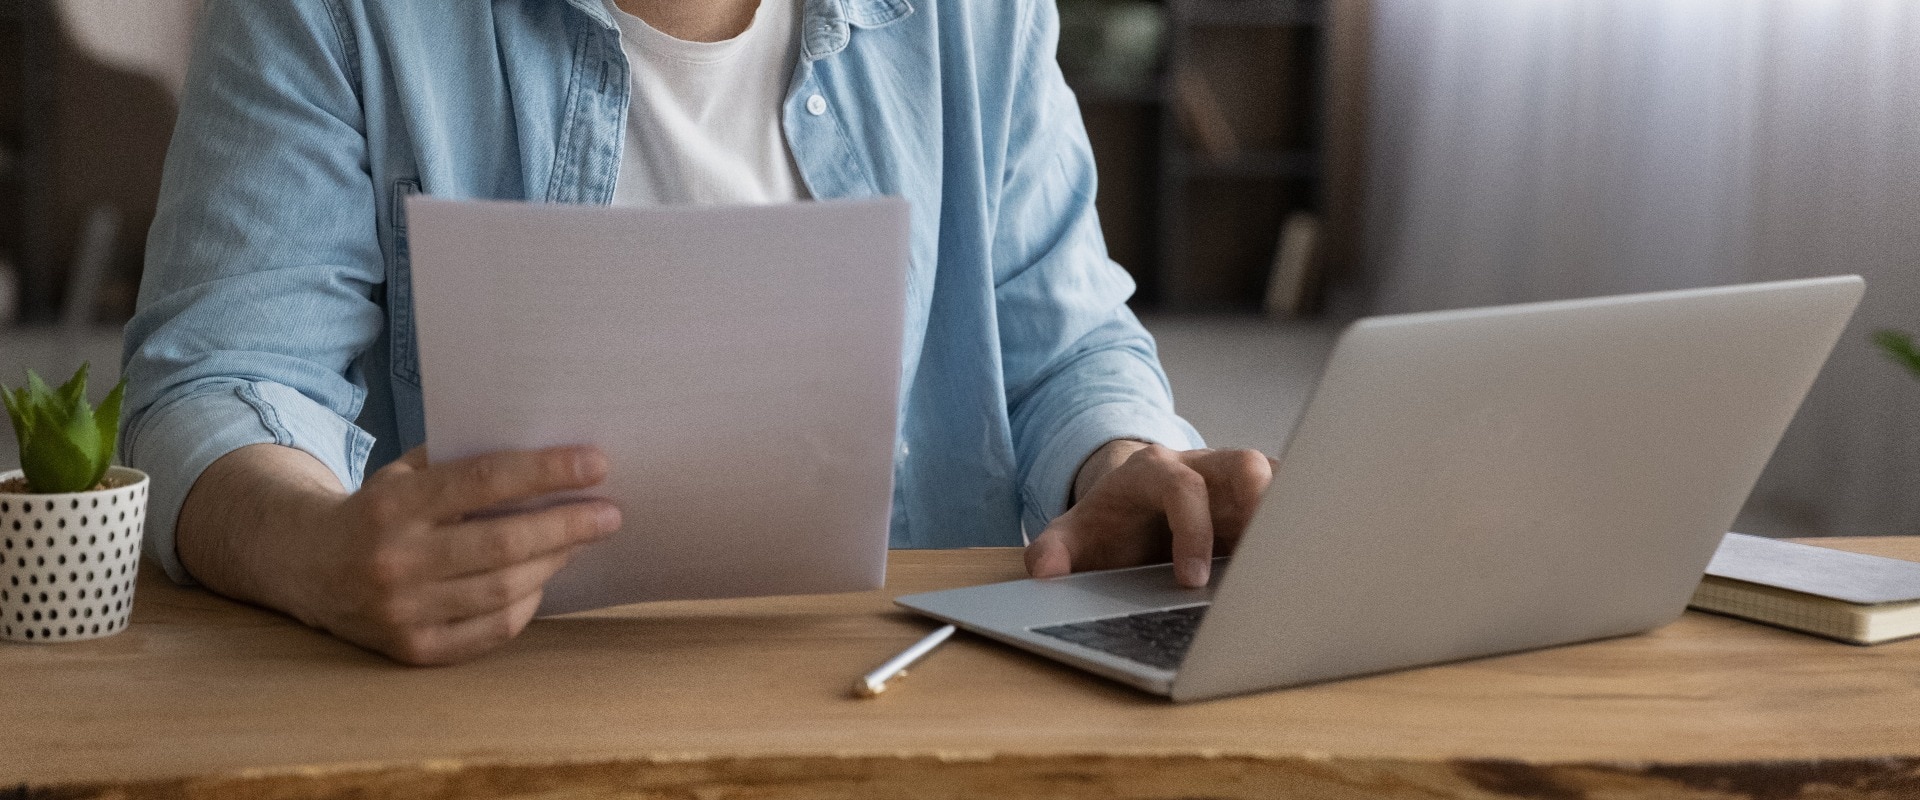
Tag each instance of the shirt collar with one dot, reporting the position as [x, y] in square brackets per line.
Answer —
[824, 24]
[595, 10]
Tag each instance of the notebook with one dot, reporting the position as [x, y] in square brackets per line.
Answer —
[1852, 597]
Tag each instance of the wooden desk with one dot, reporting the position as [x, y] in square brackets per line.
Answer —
[202, 698]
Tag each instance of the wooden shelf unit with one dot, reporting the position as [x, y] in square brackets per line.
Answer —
[28, 88]
[1221, 212]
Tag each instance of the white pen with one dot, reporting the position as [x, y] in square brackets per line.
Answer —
[875, 682]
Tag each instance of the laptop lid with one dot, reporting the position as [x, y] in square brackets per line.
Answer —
[1489, 480]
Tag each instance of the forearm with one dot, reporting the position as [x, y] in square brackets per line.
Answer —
[1080, 371]
[1101, 396]
[248, 519]
[261, 290]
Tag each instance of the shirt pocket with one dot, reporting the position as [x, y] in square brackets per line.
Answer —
[404, 352]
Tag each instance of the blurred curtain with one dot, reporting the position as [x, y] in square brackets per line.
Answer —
[1536, 149]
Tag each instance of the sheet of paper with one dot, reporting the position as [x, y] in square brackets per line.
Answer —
[739, 365]
[1810, 569]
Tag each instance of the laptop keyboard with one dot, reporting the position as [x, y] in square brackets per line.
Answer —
[1155, 638]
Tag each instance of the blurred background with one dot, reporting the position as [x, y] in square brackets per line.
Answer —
[1271, 169]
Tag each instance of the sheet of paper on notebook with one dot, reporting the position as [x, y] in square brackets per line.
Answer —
[1810, 569]
[740, 366]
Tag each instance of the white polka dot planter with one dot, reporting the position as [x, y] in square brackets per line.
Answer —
[70, 559]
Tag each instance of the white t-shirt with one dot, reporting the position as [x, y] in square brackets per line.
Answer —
[703, 124]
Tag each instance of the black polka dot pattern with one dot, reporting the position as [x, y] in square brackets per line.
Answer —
[68, 561]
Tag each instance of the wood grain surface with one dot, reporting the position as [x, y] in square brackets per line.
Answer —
[202, 698]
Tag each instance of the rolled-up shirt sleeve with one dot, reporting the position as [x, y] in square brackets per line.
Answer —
[263, 266]
[189, 433]
[1080, 369]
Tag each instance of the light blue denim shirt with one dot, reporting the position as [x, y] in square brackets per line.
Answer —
[276, 303]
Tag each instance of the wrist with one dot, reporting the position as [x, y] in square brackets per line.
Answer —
[287, 567]
[249, 522]
[1102, 461]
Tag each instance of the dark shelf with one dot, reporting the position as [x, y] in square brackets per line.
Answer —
[1246, 13]
[1253, 99]
[1256, 164]
[1145, 96]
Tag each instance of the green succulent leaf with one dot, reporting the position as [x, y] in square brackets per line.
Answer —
[107, 419]
[37, 390]
[65, 446]
[81, 432]
[1900, 347]
[74, 391]
[52, 463]
[17, 410]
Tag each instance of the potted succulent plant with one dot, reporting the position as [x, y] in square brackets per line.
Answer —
[70, 523]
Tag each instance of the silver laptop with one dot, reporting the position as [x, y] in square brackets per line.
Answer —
[1464, 483]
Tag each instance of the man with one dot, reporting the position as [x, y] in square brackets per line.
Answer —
[272, 361]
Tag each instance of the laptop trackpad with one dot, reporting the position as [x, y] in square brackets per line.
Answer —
[1087, 595]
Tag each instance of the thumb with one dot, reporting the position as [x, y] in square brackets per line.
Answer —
[1048, 555]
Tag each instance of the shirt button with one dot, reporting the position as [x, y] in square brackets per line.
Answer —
[816, 105]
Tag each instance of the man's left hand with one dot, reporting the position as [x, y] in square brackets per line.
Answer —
[1138, 503]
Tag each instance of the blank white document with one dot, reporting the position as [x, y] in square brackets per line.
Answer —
[739, 365]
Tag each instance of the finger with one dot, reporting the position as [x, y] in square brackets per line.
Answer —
[410, 462]
[465, 639]
[1107, 532]
[482, 594]
[416, 459]
[485, 545]
[1048, 555]
[453, 490]
[1184, 498]
[1236, 481]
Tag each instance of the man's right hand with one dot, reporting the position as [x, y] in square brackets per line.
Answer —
[401, 566]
